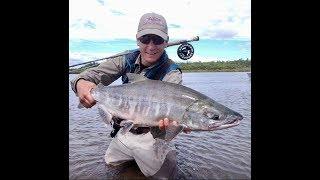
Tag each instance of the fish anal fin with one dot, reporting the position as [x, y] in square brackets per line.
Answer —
[172, 131]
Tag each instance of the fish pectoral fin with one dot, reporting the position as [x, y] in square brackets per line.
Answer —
[172, 131]
[105, 115]
[127, 125]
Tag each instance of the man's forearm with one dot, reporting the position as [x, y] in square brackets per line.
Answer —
[112, 68]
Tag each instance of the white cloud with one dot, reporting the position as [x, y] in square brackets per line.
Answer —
[76, 57]
[119, 18]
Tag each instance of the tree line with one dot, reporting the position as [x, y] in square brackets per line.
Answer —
[239, 65]
[217, 66]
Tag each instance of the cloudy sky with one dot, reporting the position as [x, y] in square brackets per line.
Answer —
[99, 28]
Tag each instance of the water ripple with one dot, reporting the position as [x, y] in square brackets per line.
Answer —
[224, 154]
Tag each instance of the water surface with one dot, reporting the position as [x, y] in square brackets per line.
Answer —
[223, 154]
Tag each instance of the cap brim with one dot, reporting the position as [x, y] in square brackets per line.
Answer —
[152, 31]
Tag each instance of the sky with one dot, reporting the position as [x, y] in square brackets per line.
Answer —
[101, 28]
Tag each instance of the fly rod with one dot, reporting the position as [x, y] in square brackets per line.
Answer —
[173, 43]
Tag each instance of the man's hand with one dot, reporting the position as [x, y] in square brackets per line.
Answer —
[83, 90]
[164, 123]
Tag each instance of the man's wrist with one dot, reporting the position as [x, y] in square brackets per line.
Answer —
[75, 84]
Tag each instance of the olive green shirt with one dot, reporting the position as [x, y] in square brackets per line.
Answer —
[114, 68]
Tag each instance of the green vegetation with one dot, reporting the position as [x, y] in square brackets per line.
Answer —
[213, 66]
[217, 66]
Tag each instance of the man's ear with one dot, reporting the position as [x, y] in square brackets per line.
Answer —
[137, 40]
[167, 41]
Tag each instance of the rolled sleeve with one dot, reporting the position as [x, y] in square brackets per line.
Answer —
[113, 68]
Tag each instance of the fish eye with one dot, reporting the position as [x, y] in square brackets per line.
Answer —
[211, 115]
[215, 117]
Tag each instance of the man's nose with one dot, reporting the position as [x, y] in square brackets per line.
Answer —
[151, 44]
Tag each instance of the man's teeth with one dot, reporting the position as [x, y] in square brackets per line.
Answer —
[151, 53]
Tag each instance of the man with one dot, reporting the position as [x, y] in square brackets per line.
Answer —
[151, 61]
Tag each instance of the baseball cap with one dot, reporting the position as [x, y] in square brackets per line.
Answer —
[152, 23]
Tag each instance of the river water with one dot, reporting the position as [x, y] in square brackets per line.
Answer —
[223, 154]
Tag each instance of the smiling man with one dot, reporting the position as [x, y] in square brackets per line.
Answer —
[150, 60]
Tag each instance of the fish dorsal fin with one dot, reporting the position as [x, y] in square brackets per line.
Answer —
[132, 77]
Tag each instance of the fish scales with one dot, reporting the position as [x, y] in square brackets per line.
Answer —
[144, 102]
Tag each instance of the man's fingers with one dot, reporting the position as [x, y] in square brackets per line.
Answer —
[187, 130]
[161, 125]
[83, 91]
[89, 98]
[166, 122]
[86, 103]
[175, 123]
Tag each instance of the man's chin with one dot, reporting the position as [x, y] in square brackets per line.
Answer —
[151, 60]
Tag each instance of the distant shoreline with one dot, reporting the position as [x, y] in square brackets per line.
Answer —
[223, 70]
[195, 71]
[213, 66]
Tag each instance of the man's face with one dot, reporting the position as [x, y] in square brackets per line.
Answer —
[151, 48]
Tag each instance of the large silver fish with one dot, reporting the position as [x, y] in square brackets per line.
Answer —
[143, 102]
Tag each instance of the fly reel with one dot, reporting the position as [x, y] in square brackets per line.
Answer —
[185, 51]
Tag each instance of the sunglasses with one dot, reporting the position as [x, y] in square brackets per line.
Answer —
[157, 40]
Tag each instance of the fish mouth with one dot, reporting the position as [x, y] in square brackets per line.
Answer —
[229, 122]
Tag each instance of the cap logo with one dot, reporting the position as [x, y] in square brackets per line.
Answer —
[153, 20]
